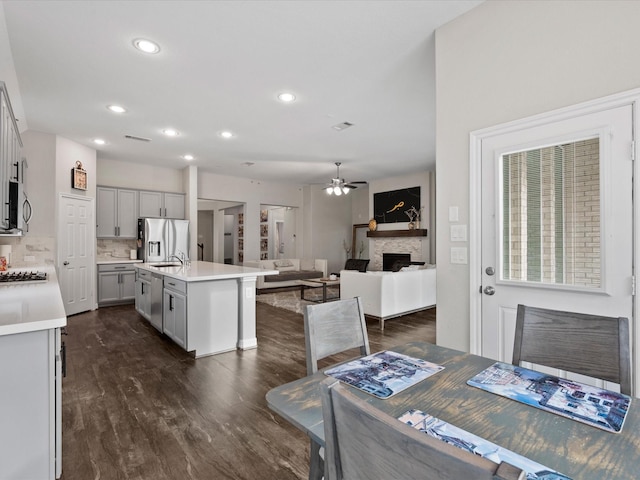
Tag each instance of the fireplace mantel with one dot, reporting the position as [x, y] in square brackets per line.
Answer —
[419, 232]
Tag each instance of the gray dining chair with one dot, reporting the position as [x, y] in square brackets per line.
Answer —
[334, 327]
[364, 442]
[331, 328]
[591, 345]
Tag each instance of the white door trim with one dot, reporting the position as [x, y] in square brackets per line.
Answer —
[92, 232]
[631, 97]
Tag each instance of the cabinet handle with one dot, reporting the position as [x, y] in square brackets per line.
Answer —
[142, 288]
[165, 211]
[63, 354]
[160, 214]
[120, 267]
[171, 302]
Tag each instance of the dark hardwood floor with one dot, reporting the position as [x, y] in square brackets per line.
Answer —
[136, 406]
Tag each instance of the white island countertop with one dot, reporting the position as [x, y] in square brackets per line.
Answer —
[205, 271]
[29, 307]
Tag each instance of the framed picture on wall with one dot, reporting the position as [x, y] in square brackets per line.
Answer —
[264, 256]
[78, 177]
[240, 218]
[264, 245]
[241, 231]
[391, 207]
[264, 230]
[264, 216]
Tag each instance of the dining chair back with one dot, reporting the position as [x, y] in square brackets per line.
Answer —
[331, 328]
[364, 442]
[590, 345]
[334, 327]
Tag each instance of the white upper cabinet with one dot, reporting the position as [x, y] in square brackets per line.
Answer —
[161, 205]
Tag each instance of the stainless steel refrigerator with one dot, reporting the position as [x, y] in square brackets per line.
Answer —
[159, 239]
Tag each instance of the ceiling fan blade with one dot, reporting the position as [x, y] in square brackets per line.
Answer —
[350, 185]
[361, 182]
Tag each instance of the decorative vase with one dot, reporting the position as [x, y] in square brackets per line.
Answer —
[411, 225]
[373, 224]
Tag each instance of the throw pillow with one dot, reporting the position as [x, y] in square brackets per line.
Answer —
[282, 263]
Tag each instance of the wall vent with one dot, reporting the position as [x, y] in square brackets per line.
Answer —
[342, 126]
[141, 139]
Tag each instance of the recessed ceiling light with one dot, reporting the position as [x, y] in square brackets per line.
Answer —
[188, 157]
[170, 132]
[99, 141]
[226, 134]
[116, 108]
[146, 46]
[286, 97]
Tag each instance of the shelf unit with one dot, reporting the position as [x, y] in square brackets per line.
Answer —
[419, 232]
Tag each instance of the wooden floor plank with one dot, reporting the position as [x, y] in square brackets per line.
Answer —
[136, 406]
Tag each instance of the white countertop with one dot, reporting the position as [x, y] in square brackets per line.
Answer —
[32, 306]
[203, 271]
[110, 260]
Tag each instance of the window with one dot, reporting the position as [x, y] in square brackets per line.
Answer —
[551, 215]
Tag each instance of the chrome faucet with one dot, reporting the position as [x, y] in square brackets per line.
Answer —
[180, 257]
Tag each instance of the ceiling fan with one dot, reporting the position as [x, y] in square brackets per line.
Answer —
[338, 186]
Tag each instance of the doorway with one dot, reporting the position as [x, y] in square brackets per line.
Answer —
[553, 218]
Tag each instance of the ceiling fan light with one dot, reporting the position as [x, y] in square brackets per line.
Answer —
[337, 191]
[345, 190]
[329, 190]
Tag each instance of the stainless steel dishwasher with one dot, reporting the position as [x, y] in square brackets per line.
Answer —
[156, 300]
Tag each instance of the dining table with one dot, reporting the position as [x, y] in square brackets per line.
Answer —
[573, 448]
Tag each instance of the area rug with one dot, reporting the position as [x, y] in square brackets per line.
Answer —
[290, 300]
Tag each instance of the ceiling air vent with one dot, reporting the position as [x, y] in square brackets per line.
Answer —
[141, 139]
[342, 126]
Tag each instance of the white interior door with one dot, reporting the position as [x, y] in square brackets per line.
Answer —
[76, 257]
[557, 221]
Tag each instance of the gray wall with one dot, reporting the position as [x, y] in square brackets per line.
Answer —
[503, 61]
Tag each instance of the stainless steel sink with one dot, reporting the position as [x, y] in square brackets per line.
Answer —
[165, 265]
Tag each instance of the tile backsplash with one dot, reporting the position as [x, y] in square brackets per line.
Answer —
[30, 251]
[108, 248]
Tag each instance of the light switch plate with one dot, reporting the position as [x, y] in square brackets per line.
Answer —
[459, 255]
[458, 233]
[453, 214]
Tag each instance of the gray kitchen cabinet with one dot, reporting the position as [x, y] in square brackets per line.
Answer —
[161, 204]
[174, 311]
[31, 413]
[116, 213]
[116, 284]
[10, 155]
[143, 293]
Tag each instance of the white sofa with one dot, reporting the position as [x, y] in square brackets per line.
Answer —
[291, 270]
[387, 295]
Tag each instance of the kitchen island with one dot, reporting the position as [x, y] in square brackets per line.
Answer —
[31, 316]
[207, 308]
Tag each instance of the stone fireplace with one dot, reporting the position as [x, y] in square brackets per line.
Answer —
[417, 247]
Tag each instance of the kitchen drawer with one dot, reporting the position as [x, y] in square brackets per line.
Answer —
[115, 267]
[145, 274]
[177, 285]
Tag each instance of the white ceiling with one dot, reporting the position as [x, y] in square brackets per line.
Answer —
[221, 67]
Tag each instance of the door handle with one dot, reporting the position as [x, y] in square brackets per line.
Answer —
[489, 290]
[65, 263]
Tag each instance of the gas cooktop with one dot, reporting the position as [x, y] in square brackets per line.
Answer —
[22, 276]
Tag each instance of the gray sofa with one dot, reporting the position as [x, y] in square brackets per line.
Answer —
[289, 271]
